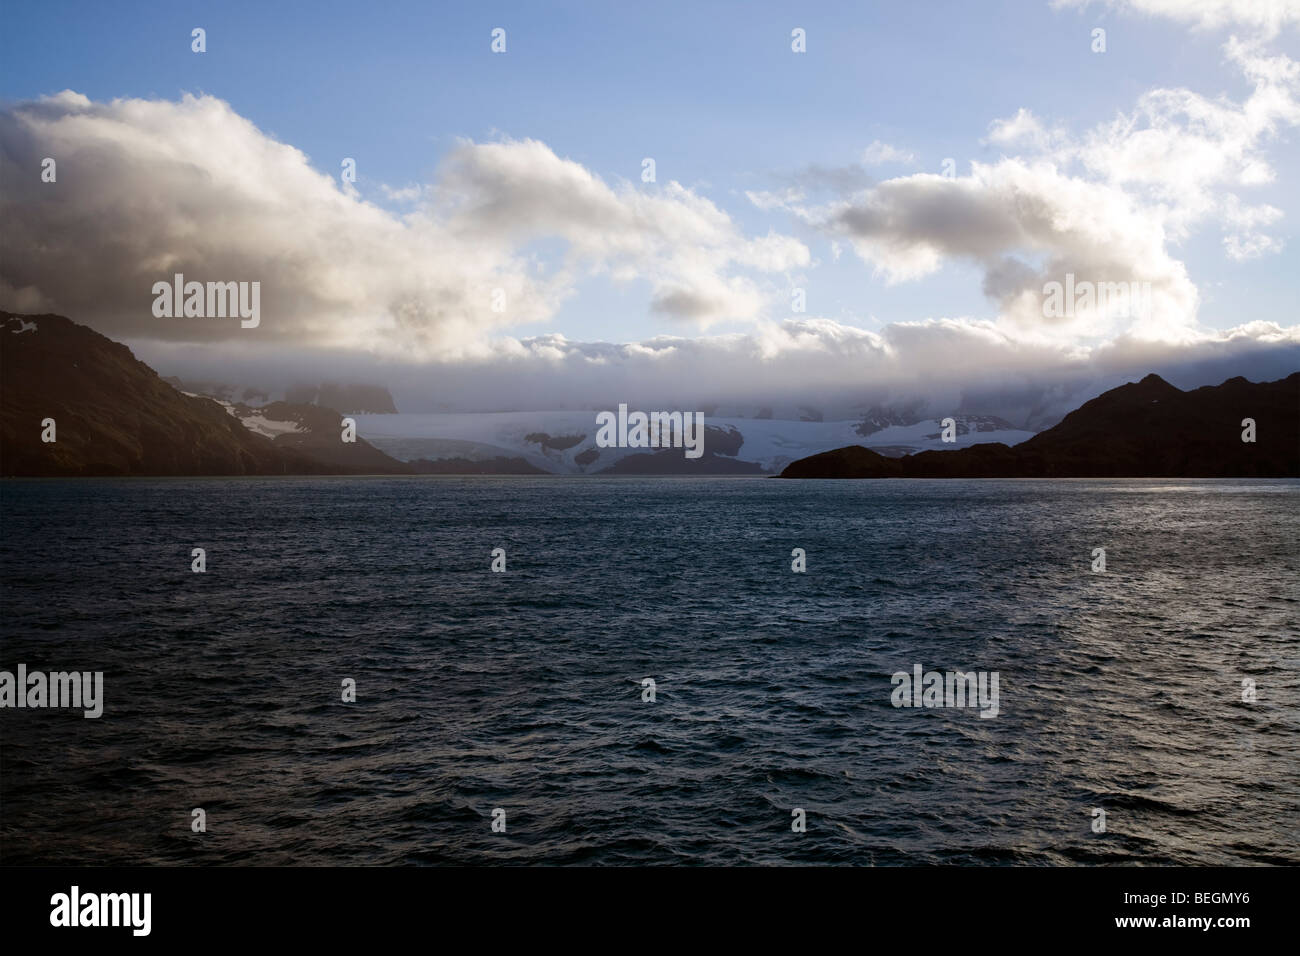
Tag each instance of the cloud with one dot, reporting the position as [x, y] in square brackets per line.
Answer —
[147, 188]
[1103, 207]
[1025, 130]
[878, 154]
[1025, 225]
[1267, 17]
[354, 291]
[1182, 157]
[1185, 155]
[838, 368]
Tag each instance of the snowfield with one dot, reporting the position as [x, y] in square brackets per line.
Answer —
[270, 428]
[772, 443]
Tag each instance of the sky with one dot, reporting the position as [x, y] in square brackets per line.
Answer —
[878, 215]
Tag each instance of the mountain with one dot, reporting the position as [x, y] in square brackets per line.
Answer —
[315, 432]
[564, 442]
[113, 415]
[1146, 429]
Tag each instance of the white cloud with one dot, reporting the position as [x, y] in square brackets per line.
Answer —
[146, 188]
[1025, 130]
[1025, 225]
[878, 154]
[815, 361]
[1267, 17]
[404, 194]
[1103, 207]
[1181, 153]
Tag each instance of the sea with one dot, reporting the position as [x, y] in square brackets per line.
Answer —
[647, 679]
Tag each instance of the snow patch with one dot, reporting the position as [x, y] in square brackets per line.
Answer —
[269, 427]
[258, 424]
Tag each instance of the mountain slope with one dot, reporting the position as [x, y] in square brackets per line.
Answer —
[1146, 429]
[114, 416]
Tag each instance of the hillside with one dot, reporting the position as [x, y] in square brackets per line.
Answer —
[1146, 429]
[114, 416]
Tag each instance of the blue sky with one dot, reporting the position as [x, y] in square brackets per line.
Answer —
[710, 90]
[713, 92]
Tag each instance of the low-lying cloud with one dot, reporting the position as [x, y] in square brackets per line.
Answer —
[814, 362]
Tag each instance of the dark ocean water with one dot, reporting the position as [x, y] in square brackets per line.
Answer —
[1120, 691]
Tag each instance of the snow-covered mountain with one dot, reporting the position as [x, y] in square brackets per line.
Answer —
[564, 442]
[736, 440]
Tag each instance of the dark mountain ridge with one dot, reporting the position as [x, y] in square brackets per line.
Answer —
[113, 415]
[1146, 429]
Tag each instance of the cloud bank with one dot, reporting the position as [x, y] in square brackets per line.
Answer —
[840, 370]
[148, 188]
